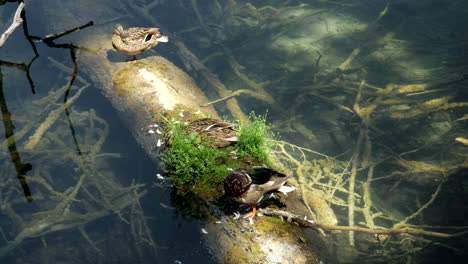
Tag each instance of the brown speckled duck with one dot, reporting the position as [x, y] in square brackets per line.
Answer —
[249, 185]
[218, 133]
[135, 40]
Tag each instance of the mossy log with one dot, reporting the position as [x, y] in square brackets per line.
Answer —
[141, 92]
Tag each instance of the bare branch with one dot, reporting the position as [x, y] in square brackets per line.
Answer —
[17, 20]
[66, 32]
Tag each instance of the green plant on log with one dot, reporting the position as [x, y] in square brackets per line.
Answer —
[198, 168]
[191, 163]
[253, 139]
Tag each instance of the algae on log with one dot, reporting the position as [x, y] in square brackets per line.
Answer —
[141, 93]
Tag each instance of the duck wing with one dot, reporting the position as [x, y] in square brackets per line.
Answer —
[266, 179]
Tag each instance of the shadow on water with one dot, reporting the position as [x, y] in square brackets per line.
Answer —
[20, 167]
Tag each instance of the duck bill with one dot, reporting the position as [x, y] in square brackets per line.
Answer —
[163, 39]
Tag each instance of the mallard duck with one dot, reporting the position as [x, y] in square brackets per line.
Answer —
[218, 133]
[249, 185]
[135, 40]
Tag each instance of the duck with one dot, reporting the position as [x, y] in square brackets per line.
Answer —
[217, 133]
[250, 185]
[136, 40]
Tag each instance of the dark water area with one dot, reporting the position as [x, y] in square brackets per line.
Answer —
[401, 97]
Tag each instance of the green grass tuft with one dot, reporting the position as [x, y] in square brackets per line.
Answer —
[253, 139]
[190, 162]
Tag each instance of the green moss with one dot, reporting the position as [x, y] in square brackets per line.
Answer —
[123, 79]
[198, 168]
[271, 224]
[236, 254]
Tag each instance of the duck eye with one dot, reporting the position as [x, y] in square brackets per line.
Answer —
[148, 37]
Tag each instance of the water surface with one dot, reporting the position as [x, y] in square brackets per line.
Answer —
[398, 102]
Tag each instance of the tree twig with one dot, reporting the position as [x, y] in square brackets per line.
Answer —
[49, 39]
[17, 20]
[52, 37]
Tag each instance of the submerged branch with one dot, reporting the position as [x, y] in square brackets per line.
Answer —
[68, 70]
[53, 116]
[187, 56]
[352, 180]
[433, 197]
[308, 223]
[237, 93]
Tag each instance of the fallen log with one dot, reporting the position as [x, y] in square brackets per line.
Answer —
[147, 92]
